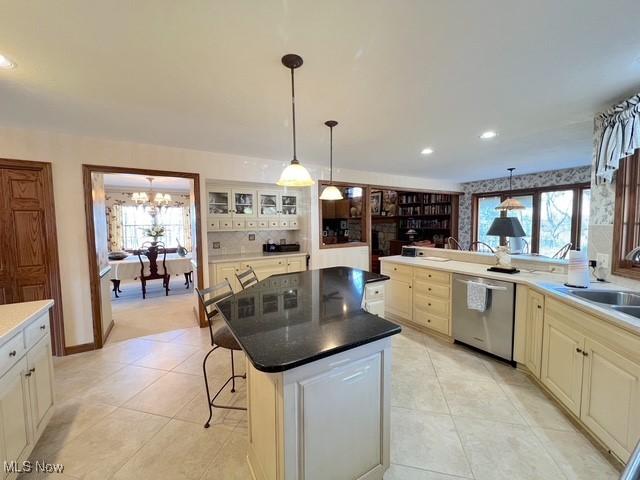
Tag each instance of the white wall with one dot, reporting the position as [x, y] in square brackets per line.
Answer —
[67, 153]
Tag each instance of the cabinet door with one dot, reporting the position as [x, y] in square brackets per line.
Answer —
[14, 410]
[40, 382]
[268, 203]
[289, 204]
[533, 332]
[562, 361]
[219, 203]
[611, 398]
[349, 395]
[296, 264]
[244, 203]
[228, 271]
[398, 298]
[266, 268]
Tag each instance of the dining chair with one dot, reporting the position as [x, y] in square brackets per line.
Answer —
[478, 246]
[562, 253]
[247, 279]
[152, 252]
[221, 337]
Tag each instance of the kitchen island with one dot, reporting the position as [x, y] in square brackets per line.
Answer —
[318, 374]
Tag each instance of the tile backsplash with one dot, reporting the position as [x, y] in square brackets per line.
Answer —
[238, 242]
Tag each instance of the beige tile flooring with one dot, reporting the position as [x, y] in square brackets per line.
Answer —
[135, 410]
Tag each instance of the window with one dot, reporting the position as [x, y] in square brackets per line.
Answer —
[552, 217]
[344, 221]
[135, 220]
[626, 225]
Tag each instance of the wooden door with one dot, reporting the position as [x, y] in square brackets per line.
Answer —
[611, 398]
[533, 332]
[28, 248]
[562, 360]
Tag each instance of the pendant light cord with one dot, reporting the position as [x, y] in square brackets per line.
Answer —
[293, 113]
[331, 156]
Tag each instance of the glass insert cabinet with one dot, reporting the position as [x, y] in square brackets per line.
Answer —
[224, 203]
[272, 203]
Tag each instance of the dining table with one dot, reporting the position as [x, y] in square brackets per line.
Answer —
[129, 268]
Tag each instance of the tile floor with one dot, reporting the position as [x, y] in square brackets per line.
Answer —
[135, 410]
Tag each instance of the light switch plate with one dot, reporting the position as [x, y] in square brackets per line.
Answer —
[215, 245]
[602, 260]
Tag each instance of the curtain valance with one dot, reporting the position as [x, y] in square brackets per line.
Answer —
[617, 136]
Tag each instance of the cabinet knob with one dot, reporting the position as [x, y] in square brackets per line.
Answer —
[429, 275]
[539, 306]
[429, 288]
[586, 354]
[33, 369]
[42, 327]
[395, 269]
[12, 353]
[376, 292]
[429, 304]
[578, 349]
[428, 320]
[409, 286]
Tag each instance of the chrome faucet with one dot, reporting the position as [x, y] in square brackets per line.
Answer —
[633, 255]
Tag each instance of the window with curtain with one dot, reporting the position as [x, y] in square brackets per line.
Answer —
[552, 217]
[135, 220]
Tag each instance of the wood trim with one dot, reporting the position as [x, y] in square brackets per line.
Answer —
[626, 208]
[407, 189]
[94, 279]
[53, 263]
[83, 347]
[532, 190]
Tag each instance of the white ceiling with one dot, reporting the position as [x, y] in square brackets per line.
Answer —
[128, 181]
[397, 75]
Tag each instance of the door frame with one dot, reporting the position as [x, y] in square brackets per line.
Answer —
[57, 320]
[94, 273]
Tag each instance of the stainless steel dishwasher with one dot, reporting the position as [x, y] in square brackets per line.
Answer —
[491, 330]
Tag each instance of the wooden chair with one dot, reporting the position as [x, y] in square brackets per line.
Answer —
[247, 279]
[478, 246]
[152, 252]
[562, 253]
[221, 337]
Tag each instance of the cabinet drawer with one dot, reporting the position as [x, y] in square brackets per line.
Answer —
[434, 305]
[293, 223]
[226, 224]
[374, 292]
[213, 225]
[432, 275]
[251, 223]
[11, 352]
[263, 223]
[37, 330]
[429, 320]
[274, 223]
[432, 289]
[238, 225]
[401, 272]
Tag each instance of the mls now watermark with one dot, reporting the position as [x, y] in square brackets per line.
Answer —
[32, 467]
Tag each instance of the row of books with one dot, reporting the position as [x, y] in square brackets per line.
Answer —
[416, 210]
[424, 198]
[425, 223]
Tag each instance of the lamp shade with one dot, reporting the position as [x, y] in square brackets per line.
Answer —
[295, 175]
[511, 204]
[331, 192]
[506, 227]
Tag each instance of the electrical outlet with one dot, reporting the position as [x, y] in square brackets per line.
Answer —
[603, 260]
[215, 245]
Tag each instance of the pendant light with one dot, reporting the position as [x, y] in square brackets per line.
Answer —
[331, 192]
[295, 175]
[510, 203]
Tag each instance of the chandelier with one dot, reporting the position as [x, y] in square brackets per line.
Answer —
[144, 200]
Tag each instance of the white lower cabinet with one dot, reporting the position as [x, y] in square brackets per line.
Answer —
[296, 264]
[399, 298]
[26, 391]
[14, 413]
[611, 397]
[264, 268]
[534, 324]
[594, 370]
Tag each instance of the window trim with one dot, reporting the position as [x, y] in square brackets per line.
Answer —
[535, 192]
[622, 242]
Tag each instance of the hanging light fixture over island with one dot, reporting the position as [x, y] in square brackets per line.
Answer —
[294, 175]
[331, 192]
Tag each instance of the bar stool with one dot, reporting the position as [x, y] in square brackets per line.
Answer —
[221, 337]
[247, 279]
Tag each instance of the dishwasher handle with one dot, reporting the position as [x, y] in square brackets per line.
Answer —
[488, 287]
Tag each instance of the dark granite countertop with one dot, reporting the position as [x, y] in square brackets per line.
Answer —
[295, 318]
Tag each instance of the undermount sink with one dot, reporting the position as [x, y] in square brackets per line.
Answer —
[633, 311]
[609, 297]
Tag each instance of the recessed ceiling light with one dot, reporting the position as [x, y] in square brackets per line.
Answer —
[5, 63]
[488, 134]
[427, 151]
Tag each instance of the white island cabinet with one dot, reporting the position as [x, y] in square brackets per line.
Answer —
[26, 380]
[318, 374]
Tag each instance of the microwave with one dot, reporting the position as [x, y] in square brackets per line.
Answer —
[409, 251]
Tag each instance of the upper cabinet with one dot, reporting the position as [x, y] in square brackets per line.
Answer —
[234, 209]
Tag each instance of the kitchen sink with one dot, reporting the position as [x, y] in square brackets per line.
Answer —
[609, 297]
[633, 311]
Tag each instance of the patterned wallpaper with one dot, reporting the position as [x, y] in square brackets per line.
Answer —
[540, 179]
